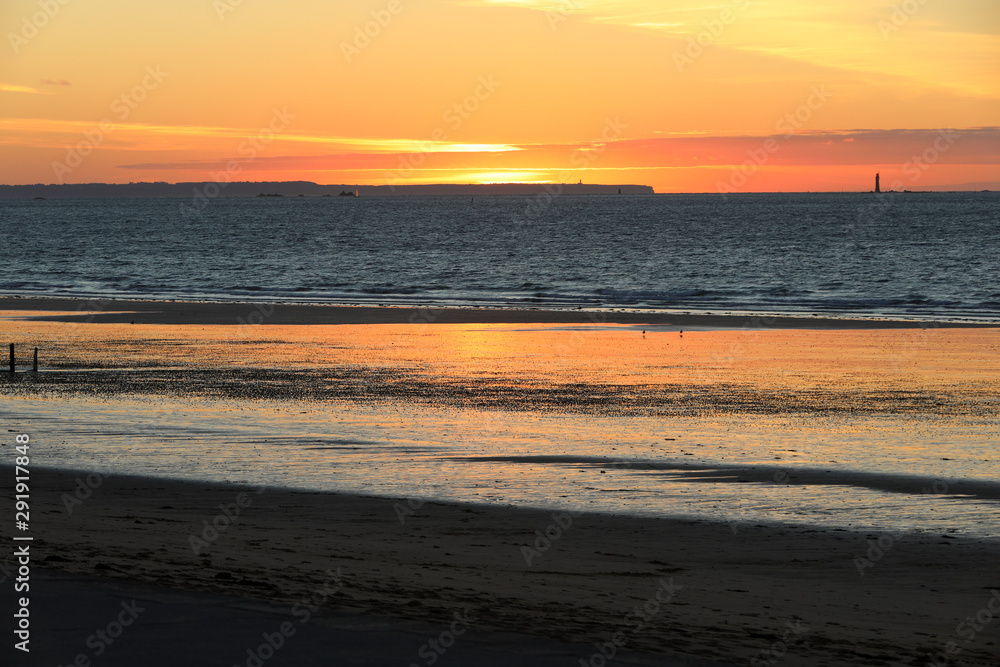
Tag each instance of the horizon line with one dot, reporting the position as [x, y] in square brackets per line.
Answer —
[483, 185]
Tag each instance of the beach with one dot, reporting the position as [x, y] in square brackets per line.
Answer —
[534, 526]
[734, 592]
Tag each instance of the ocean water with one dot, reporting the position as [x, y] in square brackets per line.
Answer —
[921, 255]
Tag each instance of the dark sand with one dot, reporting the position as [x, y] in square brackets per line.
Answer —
[182, 312]
[176, 627]
[738, 588]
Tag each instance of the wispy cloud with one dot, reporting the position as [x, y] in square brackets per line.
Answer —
[52, 82]
[533, 162]
[844, 35]
[12, 88]
[34, 131]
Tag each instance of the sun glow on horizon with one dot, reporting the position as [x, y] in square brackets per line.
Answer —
[670, 94]
[513, 176]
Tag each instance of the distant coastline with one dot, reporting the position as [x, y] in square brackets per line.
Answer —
[304, 189]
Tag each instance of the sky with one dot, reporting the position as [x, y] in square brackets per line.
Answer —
[744, 96]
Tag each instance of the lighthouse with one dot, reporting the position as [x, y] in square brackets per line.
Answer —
[876, 182]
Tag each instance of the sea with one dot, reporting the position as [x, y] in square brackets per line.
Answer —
[922, 256]
[912, 255]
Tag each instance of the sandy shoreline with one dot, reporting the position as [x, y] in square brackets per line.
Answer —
[735, 589]
[190, 312]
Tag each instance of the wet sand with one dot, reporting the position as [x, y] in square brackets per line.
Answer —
[733, 593]
[514, 363]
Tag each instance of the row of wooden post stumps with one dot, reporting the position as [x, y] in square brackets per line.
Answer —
[34, 361]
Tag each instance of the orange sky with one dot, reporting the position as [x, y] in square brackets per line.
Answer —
[755, 95]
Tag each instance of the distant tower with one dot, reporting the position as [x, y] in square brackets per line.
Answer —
[876, 182]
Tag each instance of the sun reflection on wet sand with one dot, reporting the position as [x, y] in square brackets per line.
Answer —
[903, 359]
[735, 425]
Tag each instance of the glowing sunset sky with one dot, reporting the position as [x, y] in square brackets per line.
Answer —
[820, 94]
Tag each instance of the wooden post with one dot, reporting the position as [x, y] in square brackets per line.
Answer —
[34, 362]
[12, 358]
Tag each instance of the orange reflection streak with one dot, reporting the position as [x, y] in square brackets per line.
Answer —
[914, 360]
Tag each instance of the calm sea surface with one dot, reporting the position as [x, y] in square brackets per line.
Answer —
[924, 255]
